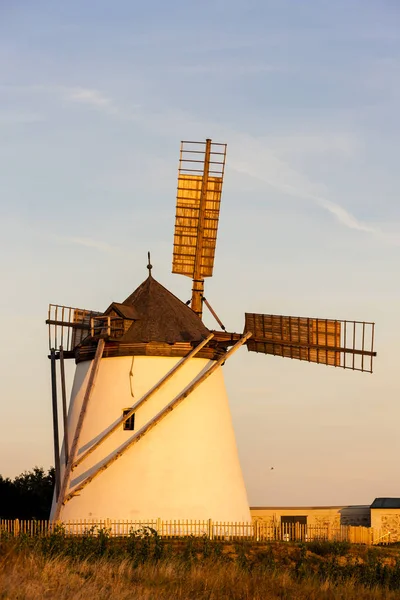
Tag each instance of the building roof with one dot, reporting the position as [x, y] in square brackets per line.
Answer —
[124, 310]
[386, 503]
[162, 317]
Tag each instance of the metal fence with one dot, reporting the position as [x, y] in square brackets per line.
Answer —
[218, 530]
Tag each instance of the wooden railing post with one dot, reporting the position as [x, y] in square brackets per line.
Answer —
[109, 326]
[210, 529]
[257, 531]
[107, 526]
[16, 527]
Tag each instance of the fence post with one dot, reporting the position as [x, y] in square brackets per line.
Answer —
[158, 526]
[107, 526]
[16, 527]
[210, 529]
[257, 531]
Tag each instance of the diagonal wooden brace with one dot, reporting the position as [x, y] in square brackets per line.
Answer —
[74, 446]
[159, 417]
[144, 399]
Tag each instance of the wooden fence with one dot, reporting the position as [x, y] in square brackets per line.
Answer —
[217, 530]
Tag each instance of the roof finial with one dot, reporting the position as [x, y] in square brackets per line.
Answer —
[149, 266]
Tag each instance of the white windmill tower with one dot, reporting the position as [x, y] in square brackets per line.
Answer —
[148, 432]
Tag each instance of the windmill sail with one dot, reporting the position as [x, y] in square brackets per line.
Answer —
[200, 179]
[346, 344]
[68, 326]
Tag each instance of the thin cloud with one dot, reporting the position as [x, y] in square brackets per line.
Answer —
[89, 96]
[257, 161]
[97, 100]
[224, 69]
[344, 216]
[14, 118]
[88, 243]
[94, 99]
[342, 144]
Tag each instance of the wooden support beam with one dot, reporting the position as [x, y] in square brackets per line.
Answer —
[64, 404]
[56, 440]
[214, 314]
[74, 446]
[144, 399]
[197, 297]
[158, 417]
[339, 349]
[226, 337]
[68, 324]
[198, 281]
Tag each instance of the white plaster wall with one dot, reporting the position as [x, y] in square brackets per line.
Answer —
[187, 467]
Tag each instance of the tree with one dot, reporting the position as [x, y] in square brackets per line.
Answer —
[28, 496]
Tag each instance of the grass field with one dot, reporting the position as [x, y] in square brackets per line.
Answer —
[145, 567]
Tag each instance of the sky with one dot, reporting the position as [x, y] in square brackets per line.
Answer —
[95, 97]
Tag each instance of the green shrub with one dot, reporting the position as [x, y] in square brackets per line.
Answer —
[323, 548]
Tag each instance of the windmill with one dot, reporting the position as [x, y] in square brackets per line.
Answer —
[148, 431]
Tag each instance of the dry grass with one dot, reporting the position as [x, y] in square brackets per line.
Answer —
[30, 575]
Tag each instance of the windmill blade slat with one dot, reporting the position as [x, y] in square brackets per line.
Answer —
[338, 343]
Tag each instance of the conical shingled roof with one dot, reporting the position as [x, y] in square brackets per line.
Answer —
[163, 317]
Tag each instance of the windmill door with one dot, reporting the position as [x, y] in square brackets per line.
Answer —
[294, 528]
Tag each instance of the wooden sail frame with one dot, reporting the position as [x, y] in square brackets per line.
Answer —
[337, 343]
[68, 326]
[198, 201]
[194, 170]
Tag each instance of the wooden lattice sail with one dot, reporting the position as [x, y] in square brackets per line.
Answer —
[200, 179]
[347, 344]
[68, 326]
[186, 237]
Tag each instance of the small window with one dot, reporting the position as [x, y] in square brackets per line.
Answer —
[129, 424]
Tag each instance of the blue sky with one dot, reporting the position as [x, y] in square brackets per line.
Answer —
[94, 99]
